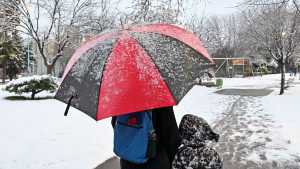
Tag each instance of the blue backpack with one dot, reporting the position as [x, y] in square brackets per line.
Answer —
[134, 137]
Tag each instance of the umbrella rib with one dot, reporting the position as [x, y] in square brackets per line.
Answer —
[206, 65]
[103, 69]
[187, 45]
[160, 73]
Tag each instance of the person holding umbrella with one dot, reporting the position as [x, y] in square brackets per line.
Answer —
[144, 68]
[167, 141]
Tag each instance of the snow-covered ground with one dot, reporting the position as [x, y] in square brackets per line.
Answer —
[285, 111]
[265, 130]
[36, 135]
[257, 82]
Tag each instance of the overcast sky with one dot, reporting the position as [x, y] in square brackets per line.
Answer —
[221, 7]
[214, 7]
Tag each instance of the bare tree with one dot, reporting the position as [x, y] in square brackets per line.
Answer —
[197, 25]
[9, 19]
[220, 35]
[101, 19]
[48, 21]
[150, 11]
[296, 4]
[274, 28]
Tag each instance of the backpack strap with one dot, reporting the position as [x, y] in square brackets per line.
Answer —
[149, 114]
[153, 140]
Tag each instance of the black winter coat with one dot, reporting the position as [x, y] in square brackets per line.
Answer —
[194, 153]
[166, 128]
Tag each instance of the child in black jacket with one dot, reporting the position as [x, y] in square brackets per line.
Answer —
[193, 152]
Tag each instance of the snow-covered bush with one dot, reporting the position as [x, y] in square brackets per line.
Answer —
[32, 84]
[264, 70]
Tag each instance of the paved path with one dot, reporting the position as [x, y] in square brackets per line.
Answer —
[245, 92]
[112, 163]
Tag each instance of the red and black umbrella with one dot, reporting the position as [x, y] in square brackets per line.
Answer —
[135, 69]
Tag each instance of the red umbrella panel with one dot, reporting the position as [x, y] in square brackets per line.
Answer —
[139, 68]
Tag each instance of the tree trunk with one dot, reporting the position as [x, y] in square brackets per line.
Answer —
[32, 95]
[3, 79]
[3, 72]
[49, 69]
[10, 77]
[282, 84]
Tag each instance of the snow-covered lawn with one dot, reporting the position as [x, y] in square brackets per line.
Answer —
[285, 111]
[257, 82]
[36, 135]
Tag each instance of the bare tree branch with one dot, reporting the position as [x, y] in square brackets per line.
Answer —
[62, 18]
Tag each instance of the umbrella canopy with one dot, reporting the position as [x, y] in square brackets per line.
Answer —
[135, 69]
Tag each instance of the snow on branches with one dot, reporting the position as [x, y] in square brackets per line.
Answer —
[33, 84]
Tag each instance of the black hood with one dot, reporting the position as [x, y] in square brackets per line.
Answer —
[195, 130]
